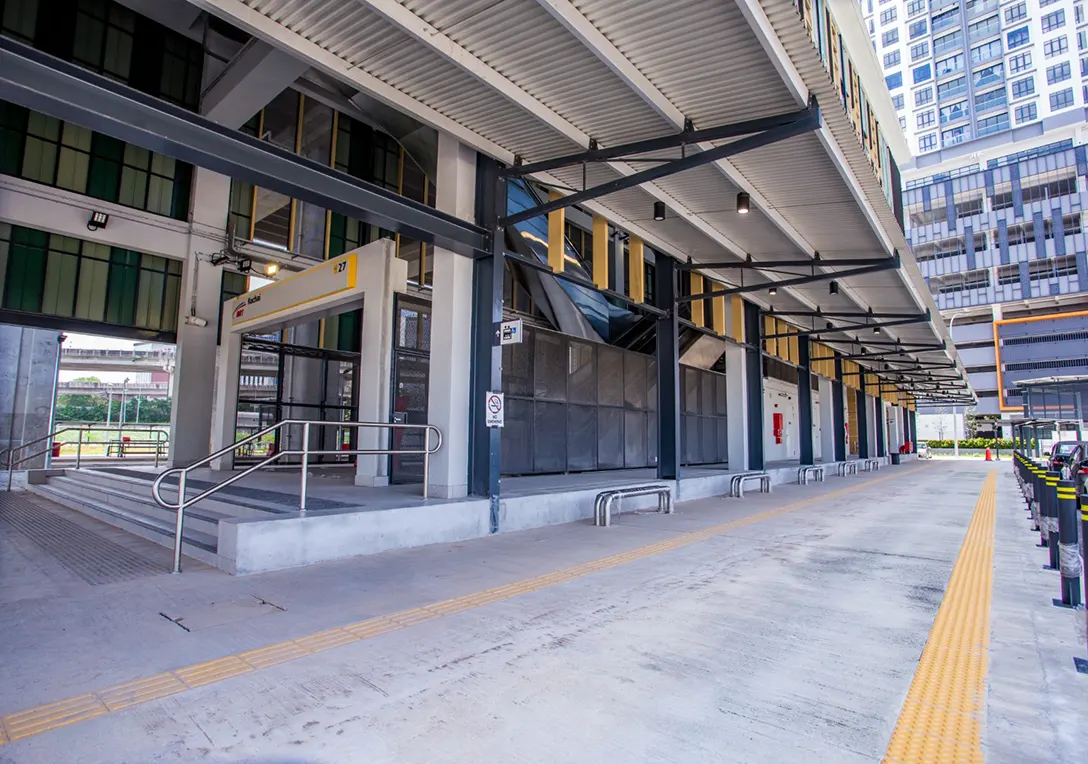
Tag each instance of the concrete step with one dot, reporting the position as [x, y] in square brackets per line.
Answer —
[219, 506]
[199, 518]
[228, 504]
[195, 544]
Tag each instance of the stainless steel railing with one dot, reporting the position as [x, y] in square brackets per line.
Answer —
[15, 455]
[430, 446]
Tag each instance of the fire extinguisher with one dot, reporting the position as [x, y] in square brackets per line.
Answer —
[779, 427]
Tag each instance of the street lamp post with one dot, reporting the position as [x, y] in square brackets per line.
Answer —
[955, 406]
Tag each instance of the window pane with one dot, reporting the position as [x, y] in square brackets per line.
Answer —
[20, 18]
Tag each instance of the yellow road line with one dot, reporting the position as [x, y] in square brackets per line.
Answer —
[941, 719]
[51, 716]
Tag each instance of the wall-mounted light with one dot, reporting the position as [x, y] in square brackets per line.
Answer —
[772, 291]
[659, 210]
[833, 287]
[744, 203]
[98, 220]
[271, 269]
[876, 330]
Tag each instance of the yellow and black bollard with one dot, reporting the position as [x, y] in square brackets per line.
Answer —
[1069, 562]
[1050, 504]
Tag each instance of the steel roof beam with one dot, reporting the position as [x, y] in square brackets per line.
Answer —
[790, 129]
[626, 151]
[42, 83]
[889, 263]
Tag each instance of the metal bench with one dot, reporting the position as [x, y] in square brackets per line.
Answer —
[847, 468]
[602, 506]
[869, 465]
[736, 485]
[814, 471]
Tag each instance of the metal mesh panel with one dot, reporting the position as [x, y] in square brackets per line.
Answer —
[689, 382]
[517, 366]
[651, 439]
[609, 376]
[651, 386]
[550, 437]
[634, 381]
[722, 426]
[550, 366]
[634, 439]
[581, 438]
[582, 380]
[689, 437]
[706, 394]
[517, 437]
[609, 438]
[719, 394]
[708, 439]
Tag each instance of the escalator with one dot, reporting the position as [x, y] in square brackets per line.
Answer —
[573, 309]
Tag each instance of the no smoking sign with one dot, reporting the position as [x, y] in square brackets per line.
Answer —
[494, 407]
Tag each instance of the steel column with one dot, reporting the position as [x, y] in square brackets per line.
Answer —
[838, 406]
[881, 423]
[753, 318]
[863, 424]
[667, 330]
[485, 451]
[804, 401]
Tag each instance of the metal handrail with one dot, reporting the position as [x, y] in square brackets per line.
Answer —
[11, 462]
[305, 452]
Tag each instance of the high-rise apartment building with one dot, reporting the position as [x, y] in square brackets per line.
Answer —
[965, 69]
[991, 97]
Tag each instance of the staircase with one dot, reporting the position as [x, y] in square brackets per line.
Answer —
[123, 499]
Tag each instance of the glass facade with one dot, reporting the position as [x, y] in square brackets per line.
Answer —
[63, 155]
[43, 274]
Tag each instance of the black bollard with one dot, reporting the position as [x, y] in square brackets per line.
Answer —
[1068, 547]
[1051, 492]
[1037, 503]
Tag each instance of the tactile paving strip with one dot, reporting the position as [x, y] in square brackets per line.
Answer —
[941, 720]
[95, 559]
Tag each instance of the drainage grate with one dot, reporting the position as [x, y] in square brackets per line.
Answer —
[94, 559]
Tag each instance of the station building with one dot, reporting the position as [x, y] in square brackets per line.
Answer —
[670, 238]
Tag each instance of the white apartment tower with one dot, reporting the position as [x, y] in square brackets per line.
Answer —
[965, 69]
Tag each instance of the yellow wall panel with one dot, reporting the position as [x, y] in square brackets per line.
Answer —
[557, 221]
[600, 252]
[636, 269]
[698, 316]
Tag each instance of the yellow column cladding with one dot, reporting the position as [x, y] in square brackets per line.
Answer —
[600, 252]
[769, 346]
[636, 269]
[736, 311]
[557, 223]
[795, 348]
[718, 308]
[698, 316]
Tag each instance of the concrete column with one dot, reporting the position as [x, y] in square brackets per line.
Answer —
[195, 367]
[28, 381]
[229, 362]
[448, 395]
[384, 275]
[736, 406]
[827, 421]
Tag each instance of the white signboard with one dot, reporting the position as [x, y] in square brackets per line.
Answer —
[494, 409]
[319, 282]
[510, 332]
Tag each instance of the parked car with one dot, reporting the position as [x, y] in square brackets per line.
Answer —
[1062, 452]
[924, 452]
[1070, 458]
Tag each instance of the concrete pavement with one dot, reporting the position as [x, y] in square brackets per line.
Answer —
[783, 635]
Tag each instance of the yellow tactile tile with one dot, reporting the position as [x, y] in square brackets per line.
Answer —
[50, 716]
[941, 719]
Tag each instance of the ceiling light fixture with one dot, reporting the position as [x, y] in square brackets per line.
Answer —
[833, 287]
[271, 269]
[744, 203]
[659, 210]
[772, 291]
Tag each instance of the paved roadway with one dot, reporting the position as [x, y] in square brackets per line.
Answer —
[785, 627]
